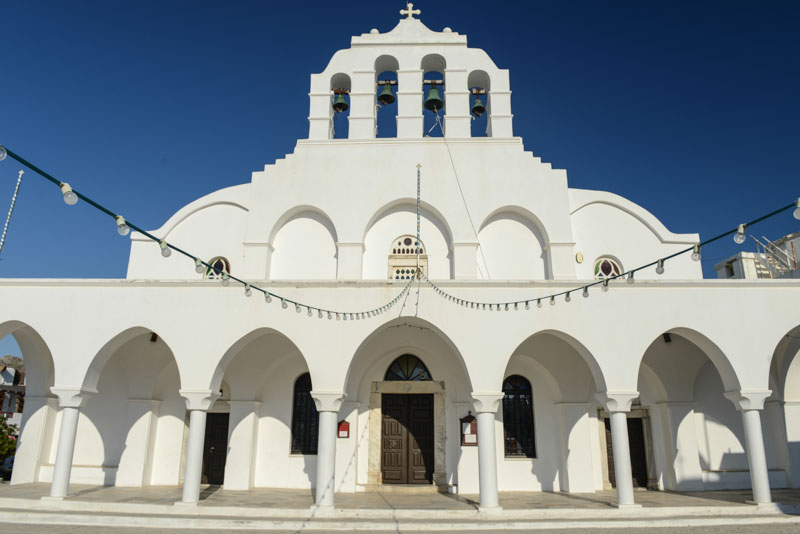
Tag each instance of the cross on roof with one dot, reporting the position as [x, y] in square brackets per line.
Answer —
[410, 11]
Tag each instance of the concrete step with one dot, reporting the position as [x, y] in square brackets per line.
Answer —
[405, 489]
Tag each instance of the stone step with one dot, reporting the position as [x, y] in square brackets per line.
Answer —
[405, 489]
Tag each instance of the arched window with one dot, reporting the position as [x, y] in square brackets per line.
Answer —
[518, 417]
[305, 419]
[218, 265]
[407, 368]
[403, 258]
[605, 267]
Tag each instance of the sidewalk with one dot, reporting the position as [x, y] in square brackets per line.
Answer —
[269, 509]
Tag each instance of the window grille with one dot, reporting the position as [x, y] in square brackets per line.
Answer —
[518, 417]
[305, 418]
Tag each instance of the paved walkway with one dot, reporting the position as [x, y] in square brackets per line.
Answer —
[298, 499]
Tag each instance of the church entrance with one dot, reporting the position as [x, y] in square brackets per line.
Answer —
[215, 449]
[407, 436]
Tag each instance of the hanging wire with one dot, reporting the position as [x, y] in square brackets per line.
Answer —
[10, 211]
[472, 304]
[267, 294]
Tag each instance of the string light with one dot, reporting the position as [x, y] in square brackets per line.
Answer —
[3, 153]
[247, 291]
[567, 298]
[165, 250]
[660, 267]
[538, 303]
[122, 227]
[740, 237]
[605, 285]
[630, 277]
[553, 300]
[309, 312]
[69, 195]
[226, 280]
[198, 266]
[267, 297]
[696, 253]
[796, 211]
[586, 292]
[527, 305]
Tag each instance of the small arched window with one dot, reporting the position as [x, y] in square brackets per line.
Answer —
[218, 265]
[518, 417]
[606, 267]
[407, 368]
[403, 258]
[305, 418]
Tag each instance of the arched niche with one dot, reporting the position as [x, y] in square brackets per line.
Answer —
[304, 247]
[480, 80]
[399, 218]
[513, 246]
[433, 68]
[130, 432]
[340, 127]
[386, 68]
[257, 375]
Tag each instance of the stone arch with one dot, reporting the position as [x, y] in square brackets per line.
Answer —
[386, 67]
[480, 79]
[259, 371]
[136, 405]
[304, 245]
[397, 218]
[39, 409]
[513, 245]
[340, 82]
[39, 368]
[785, 366]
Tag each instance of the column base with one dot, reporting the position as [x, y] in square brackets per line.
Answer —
[490, 510]
[624, 506]
[50, 498]
[766, 506]
[181, 504]
[323, 510]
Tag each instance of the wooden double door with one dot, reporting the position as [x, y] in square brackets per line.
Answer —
[407, 438]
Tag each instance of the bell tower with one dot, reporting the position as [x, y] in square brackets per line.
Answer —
[439, 82]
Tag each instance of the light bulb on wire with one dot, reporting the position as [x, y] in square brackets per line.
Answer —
[796, 212]
[739, 237]
[226, 280]
[165, 250]
[552, 301]
[696, 253]
[630, 278]
[247, 290]
[198, 266]
[267, 297]
[567, 298]
[660, 267]
[605, 285]
[122, 227]
[69, 195]
[586, 292]
[3, 153]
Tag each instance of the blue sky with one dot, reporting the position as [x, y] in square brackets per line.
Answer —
[689, 109]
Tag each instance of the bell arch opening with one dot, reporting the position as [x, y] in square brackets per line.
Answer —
[387, 89]
[479, 85]
[340, 106]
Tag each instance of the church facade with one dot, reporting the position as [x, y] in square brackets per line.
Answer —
[479, 382]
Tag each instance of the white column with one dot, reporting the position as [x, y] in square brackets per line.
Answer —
[69, 401]
[618, 404]
[750, 403]
[328, 404]
[198, 404]
[486, 405]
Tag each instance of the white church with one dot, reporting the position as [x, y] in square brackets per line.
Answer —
[174, 376]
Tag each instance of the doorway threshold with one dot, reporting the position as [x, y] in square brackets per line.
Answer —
[407, 489]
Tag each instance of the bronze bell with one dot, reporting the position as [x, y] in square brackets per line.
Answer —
[477, 107]
[433, 102]
[339, 103]
[386, 96]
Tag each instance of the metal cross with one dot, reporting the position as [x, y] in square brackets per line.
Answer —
[410, 11]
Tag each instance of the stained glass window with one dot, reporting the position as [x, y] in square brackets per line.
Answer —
[408, 368]
[218, 265]
[518, 417]
[605, 267]
[305, 418]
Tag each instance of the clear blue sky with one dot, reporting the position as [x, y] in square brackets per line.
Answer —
[690, 109]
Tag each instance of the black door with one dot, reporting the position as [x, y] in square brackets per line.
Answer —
[215, 450]
[407, 439]
[638, 455]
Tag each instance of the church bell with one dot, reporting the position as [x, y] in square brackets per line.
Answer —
[339, 103]
[477, 107]
[433, 102]
[386, 96]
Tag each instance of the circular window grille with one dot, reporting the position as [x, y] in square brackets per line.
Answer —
[606, 268]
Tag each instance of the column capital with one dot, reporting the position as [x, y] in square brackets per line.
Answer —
[617, 401]
[486, 401]
[327, 401]
[72, 397]
[198, 399]
[748, 399]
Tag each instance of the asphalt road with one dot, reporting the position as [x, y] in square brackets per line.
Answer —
[761, 529]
